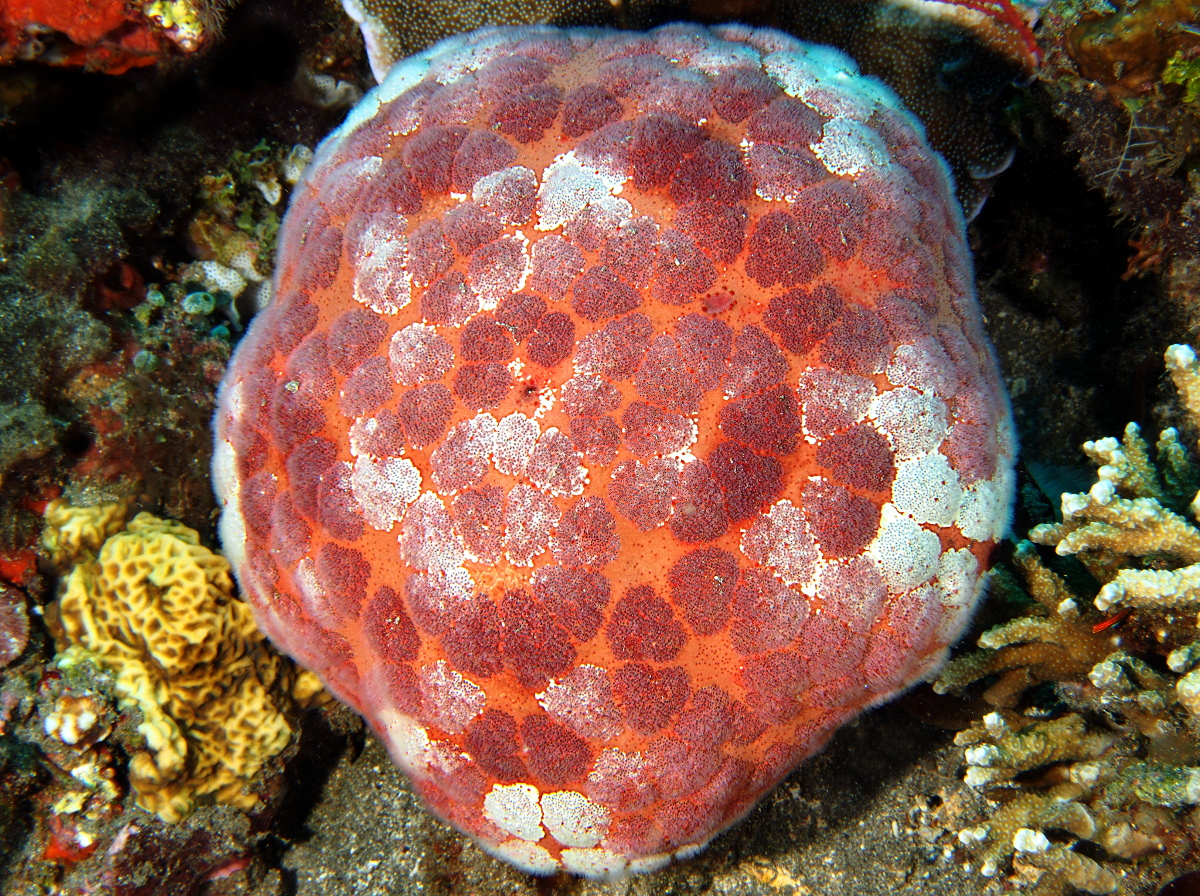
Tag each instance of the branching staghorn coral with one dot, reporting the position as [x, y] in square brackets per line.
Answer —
[1109, 756]
[1129, 520]
[1050, 645]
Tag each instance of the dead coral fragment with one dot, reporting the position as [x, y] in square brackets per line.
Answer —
[157, 609]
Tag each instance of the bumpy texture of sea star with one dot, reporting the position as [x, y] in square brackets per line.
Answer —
[624, 423]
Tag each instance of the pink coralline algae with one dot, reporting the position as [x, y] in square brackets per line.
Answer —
[624, 424]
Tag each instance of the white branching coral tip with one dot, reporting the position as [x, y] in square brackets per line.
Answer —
[1183, 658]
[1085, 773]
[981, 777]
[1180, 357]
[1029, 840]
[1073, 503]
[1185, 373]
[1109, 676]
[1110, 595]
[1102, 492]
[996, 726]
[974, 836]
[983, 755]
[1187, 690]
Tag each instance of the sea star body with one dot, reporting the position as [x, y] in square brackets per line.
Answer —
[624, 423]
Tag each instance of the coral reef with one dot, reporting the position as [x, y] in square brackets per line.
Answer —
[1128, 48]
[544, 325]
[68, 820]
[107, 395]
[1121, 80]
[1114, 759]
[72, 397]
[156, 608]
[233, 232]
[113, 351]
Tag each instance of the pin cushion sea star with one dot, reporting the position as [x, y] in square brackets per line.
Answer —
[624, 423]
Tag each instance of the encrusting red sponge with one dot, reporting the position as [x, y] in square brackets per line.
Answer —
[624, 423]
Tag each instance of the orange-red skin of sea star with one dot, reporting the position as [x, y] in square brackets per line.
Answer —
[624, 423]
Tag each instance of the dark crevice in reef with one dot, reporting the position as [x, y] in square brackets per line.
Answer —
[1081, 346]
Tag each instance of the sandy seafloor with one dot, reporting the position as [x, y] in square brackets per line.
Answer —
[876, 813]
[879, 811]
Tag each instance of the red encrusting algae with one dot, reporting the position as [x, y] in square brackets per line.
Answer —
[110, 36]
